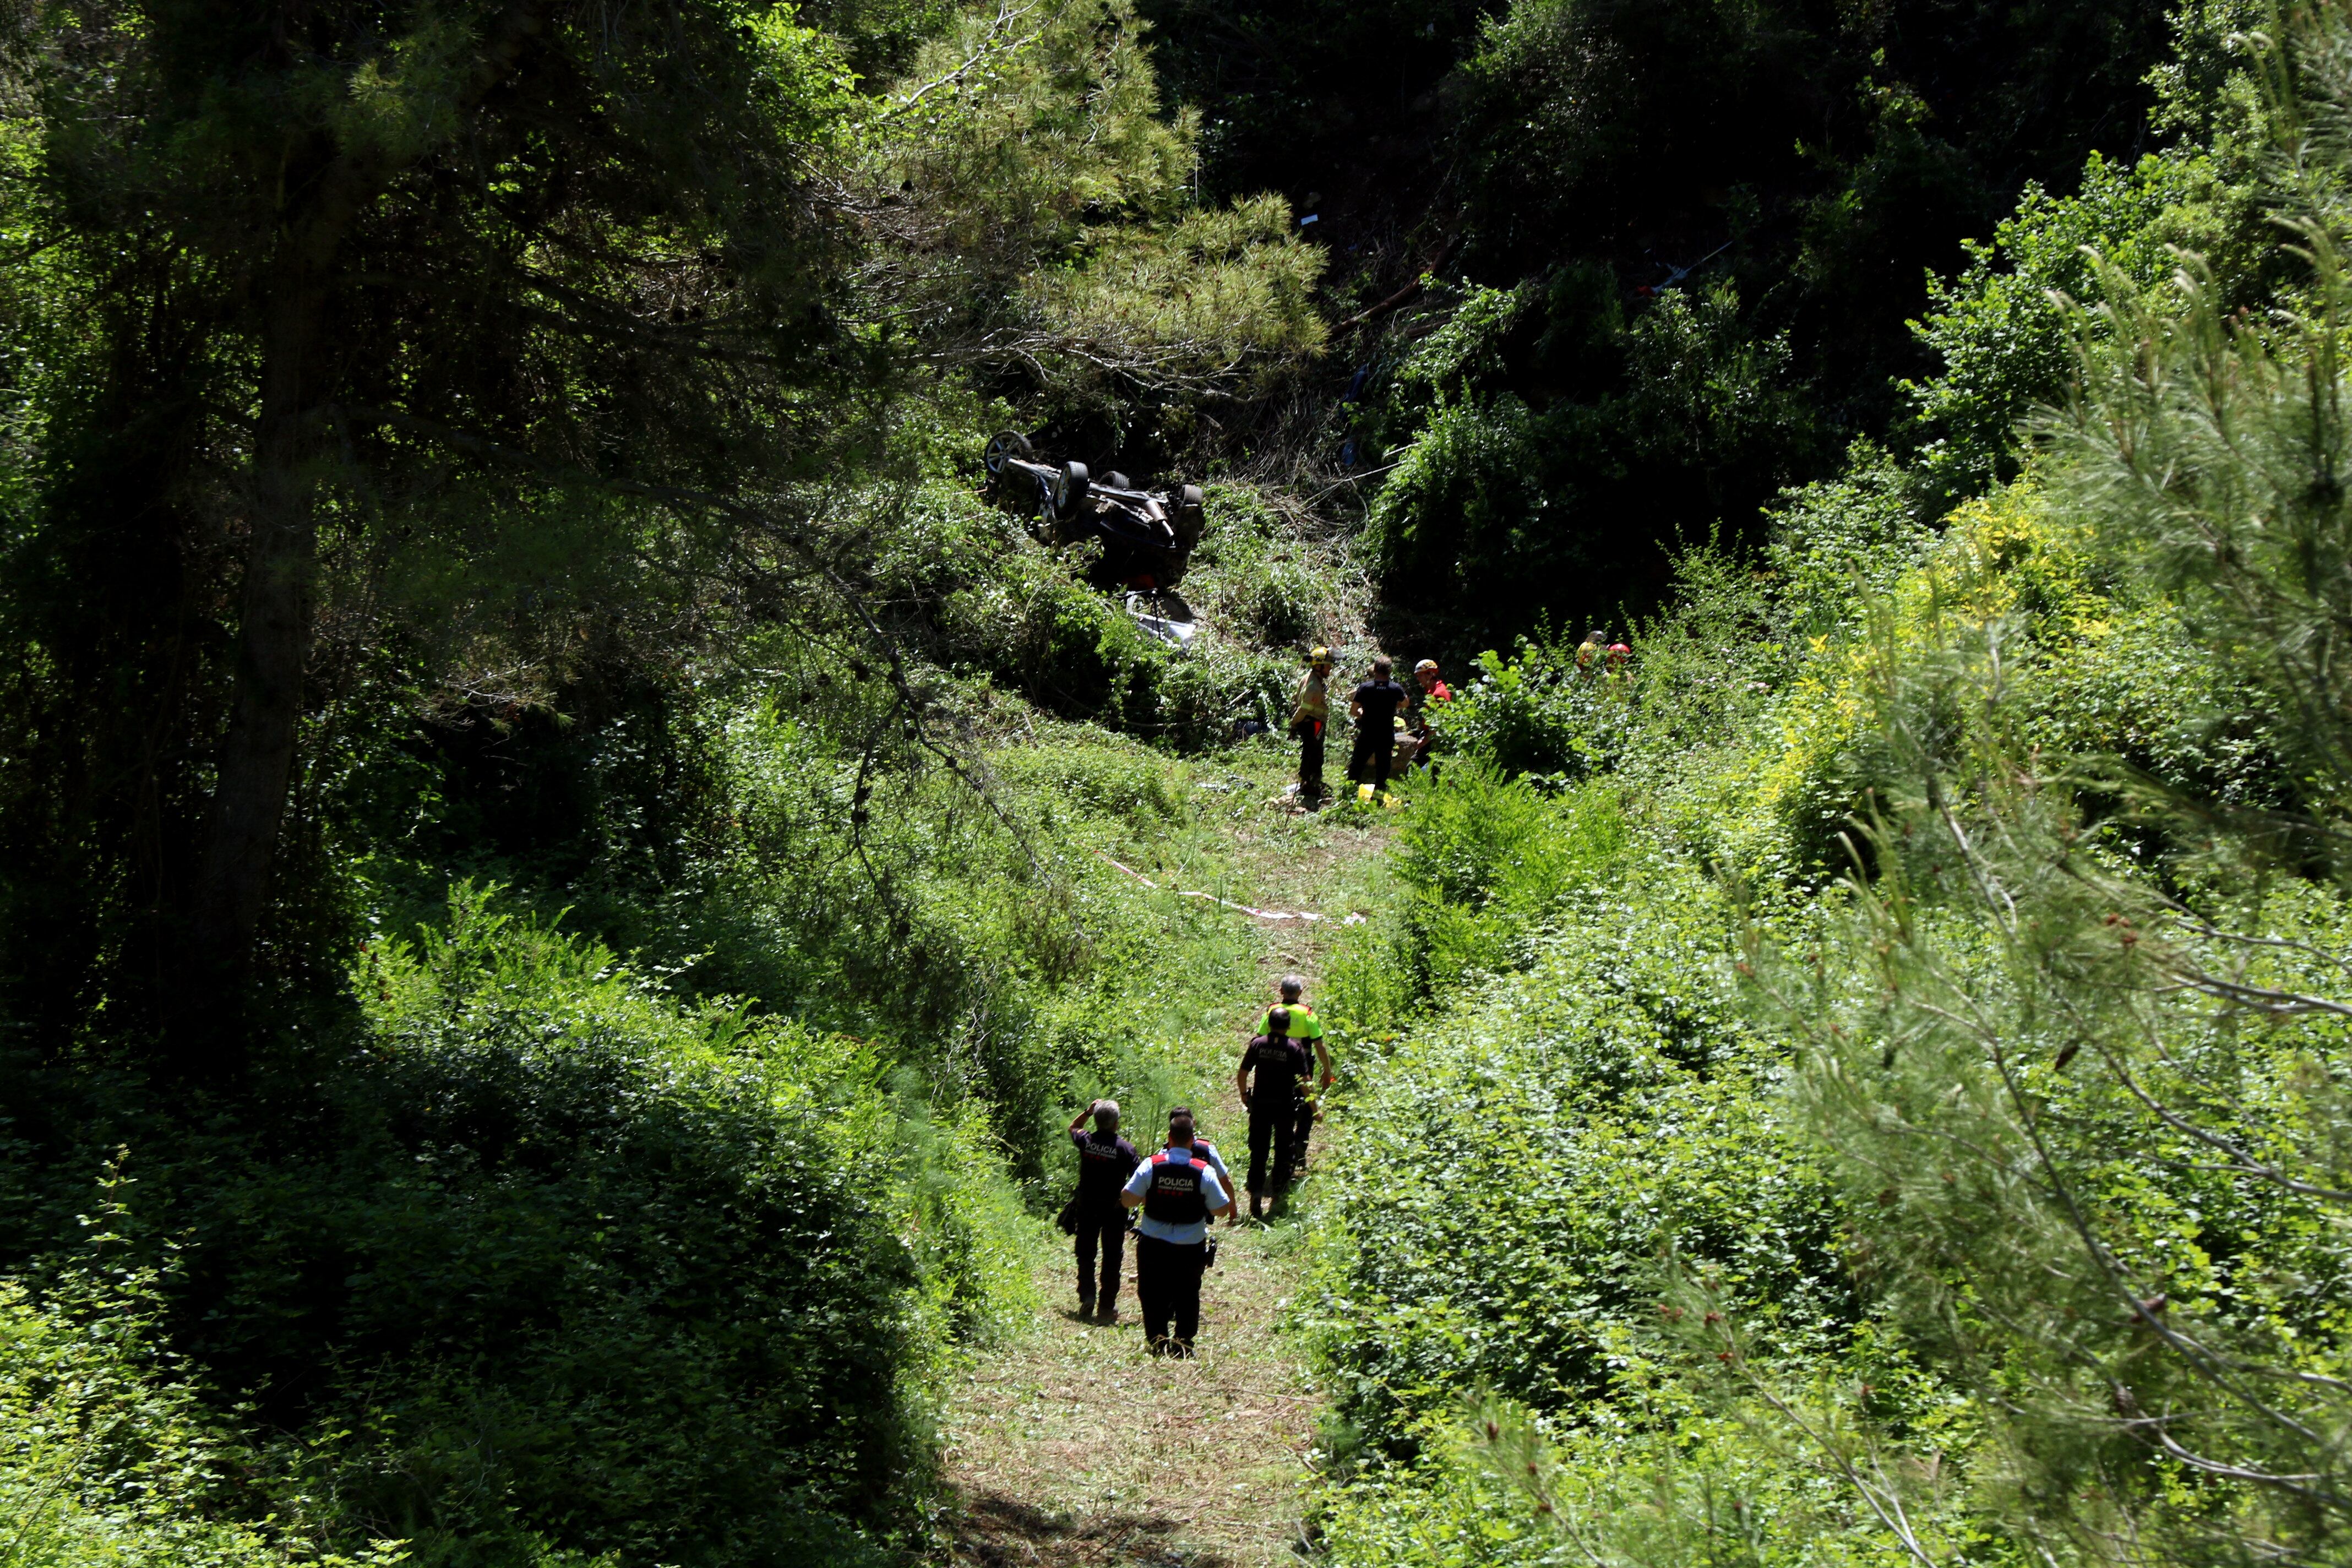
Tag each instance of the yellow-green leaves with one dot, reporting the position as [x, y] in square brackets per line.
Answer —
[801, 74]
[402, 103]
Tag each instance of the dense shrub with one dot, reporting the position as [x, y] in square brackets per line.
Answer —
[1529, 1158]
[1921, 1136]
[2004, 329]
[108, 1460]
[1540, 712]
[537, 1259]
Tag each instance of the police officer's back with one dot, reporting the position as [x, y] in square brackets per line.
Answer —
[1179, 1195]
[1268, 1079]
[1105, 1160]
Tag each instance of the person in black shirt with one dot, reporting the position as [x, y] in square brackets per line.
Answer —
[1105, 1161]
[1275, 1062]
[1374, 707]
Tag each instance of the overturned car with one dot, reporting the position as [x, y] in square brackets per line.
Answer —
[1147, 535]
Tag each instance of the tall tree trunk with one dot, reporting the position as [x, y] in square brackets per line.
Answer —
[257, 756]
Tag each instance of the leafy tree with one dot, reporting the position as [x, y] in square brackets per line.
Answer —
[1040, 221]
[389, 276]
[1597, 161]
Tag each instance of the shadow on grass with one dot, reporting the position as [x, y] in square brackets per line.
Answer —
[993, 1529]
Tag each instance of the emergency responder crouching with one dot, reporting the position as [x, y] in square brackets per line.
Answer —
[1178, 1196]
[1267, 1081]
[1105, 1160]
[1427, 693]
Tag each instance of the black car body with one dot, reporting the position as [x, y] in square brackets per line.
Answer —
[1147, 535]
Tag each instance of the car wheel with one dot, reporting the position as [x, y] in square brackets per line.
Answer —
[1073, 488]
[1004, 445]
[1188, 517]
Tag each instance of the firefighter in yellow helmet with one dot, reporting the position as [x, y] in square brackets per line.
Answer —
[1310, 712]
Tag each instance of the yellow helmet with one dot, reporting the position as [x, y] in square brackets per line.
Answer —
[1320, 655]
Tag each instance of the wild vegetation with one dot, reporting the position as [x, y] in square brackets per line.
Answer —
[563, 858]
[551, 896]
[1864, 1084]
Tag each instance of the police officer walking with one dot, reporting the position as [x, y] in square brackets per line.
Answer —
[1178, 1196]
[1275, 1062]
[1105, 1161]
[1308, 1030]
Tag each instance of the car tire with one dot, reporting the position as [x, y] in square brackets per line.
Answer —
[1188, 518]
[1005, 444]
[1072, 489]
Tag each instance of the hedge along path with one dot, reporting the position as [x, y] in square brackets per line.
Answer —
[1067, 1444]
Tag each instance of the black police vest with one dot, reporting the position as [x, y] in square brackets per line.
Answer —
[1174, 1196]
[1280, 1061]
[1103, 1167]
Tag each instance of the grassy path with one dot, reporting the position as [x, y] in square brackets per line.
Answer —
[1069, 1444]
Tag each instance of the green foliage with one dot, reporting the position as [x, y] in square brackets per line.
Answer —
[532, 448]
[2004, 329]
[1669, 254]
[1041, 219]
[1463, 495]
[1839, 548]
[1498, 500]
[1544, 713]
[1525, 1157]
[554, 1264]
[106, 1460]
[1941, 1156]
[1484, 865]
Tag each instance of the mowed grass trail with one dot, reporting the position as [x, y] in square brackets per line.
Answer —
[1066, 1443]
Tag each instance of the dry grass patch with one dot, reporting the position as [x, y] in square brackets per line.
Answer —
[1071, 1444]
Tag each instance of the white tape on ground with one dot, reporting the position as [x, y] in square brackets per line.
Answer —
[1227, 903]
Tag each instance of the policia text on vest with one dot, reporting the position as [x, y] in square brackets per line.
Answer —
[1268, 1083]
[1179, 1195]
[1094, 1217]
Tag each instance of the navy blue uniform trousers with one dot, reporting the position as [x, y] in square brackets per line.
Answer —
[1102, 1231]
[1167, 1286]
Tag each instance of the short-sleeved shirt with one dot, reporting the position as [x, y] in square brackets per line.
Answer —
[1277, 1062]
[1379, 700]
[1208, 1150]
[1104, 1166]
[1213, 1194]
[1304, 1024]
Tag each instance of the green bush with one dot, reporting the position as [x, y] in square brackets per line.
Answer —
[538, 1260]
[1540, 712]
[109, 1457]
[1100, 776]
[1962, 1199]
[1284, 608]
[2006, 328]
[1525, 1156]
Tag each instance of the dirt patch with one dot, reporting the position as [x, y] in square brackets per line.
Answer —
[1067, 1444]
[1071, 1444]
